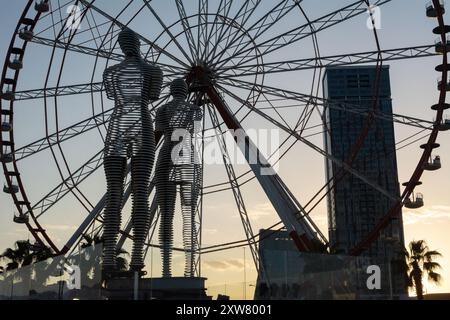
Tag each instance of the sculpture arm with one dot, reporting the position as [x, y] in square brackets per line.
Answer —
[159, 119]
[160, 123]
[156, 81]
[108, 83]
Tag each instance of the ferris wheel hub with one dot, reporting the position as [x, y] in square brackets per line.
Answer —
[200, 77]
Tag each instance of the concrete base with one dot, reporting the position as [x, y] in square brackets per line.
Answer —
[157, 289]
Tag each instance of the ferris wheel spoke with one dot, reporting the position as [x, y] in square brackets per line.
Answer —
[309, 29]
[81, 32]
[299, 224]
[153, 46]
[106, 39]
[111, 35]
[269, 20]
[313, 146]
[77, 48]
[76, 89]
[166, 68]
[33, 94]
[250, 7]
[65, 187]
[202, 29]
[212, 36]
[234, 185]
[96, 29]
[319, 101]
[272, 17]
[63, 135]
[244, 179]
[163, 25]
[54, 9]
[264, 24]
[93, 216]
[329, 61]
[229, 23]
[68, 133]
[72, 181]
[186, 27]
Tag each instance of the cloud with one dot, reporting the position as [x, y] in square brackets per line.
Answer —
[223, 265]
[15, 233]
[427, 215]
[216, 265]
[236, 263]
[210, 231]
[261, 210]
[60, 227]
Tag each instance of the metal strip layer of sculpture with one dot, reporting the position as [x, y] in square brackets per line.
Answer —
[177, 166]
[133, 84]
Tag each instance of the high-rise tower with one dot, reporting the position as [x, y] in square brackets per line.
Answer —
[354, 207]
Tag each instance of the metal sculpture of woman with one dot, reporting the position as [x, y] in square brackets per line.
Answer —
[177, 166]
[133, 84]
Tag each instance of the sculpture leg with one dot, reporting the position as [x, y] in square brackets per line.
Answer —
[115, 171]
[140, 180]
[166, 196]
[188, 208]
[141, 168]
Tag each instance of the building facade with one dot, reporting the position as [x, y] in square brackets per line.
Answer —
[354, 207]
[287, 274]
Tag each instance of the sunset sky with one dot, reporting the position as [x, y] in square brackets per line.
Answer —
[413, 84]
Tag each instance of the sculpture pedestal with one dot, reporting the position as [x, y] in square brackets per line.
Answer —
[157, 289]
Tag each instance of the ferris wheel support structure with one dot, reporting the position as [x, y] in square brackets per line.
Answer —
[298, 224]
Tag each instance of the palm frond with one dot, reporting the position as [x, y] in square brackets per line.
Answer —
[417, 249]
[434, 277]
[431, 255]
[431, 266]
[8, 254]
[12, 266]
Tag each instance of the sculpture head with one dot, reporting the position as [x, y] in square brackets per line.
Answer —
[129, 43]
[179, 89]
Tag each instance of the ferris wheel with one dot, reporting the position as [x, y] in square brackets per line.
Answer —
[243, 65]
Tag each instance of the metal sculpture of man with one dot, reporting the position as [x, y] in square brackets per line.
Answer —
[177, 166]
[133, 84]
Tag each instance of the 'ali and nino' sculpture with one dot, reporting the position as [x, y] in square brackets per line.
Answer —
[177, 167]
[133, 84]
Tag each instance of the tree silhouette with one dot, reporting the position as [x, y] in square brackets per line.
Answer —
[420, 263]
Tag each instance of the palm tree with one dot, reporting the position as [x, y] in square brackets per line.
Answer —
[420, 261]
[122, 255]
[19, 256]
[24, 254]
